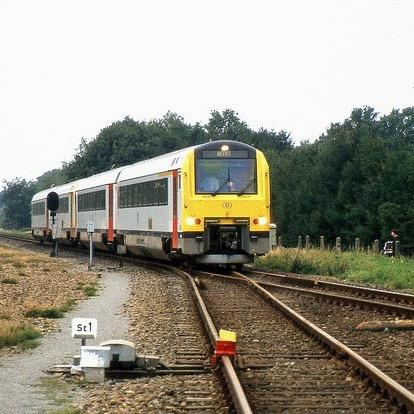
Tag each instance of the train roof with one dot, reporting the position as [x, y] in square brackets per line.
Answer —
[60, 190]
[162, 163]
[107, 177]
[96, 180]
[166, 162]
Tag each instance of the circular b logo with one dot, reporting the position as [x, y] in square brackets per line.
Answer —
[227, 204]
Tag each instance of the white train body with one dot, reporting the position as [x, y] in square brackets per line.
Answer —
[153, 208]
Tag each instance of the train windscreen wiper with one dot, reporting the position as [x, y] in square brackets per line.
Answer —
[228, 180]
[246, 186]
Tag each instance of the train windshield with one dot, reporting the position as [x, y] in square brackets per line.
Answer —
[218, 176]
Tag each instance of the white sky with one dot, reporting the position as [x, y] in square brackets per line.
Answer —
[70, 68]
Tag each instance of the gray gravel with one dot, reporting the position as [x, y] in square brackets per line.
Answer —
[20, 376]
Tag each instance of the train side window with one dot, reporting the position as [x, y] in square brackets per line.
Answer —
[163, 192]
[151, 192]
[135, 197]
[38, 209]
[140, 195]
[63, 205]
[121, 201]
[129, 196]
[145, 194]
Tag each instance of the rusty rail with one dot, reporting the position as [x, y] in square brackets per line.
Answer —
[394, 389]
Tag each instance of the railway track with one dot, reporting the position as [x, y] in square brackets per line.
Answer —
[391, 351]
[284, 369]
[281, 368]
[339, 289]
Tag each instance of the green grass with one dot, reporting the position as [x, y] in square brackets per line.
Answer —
[25, 232]
[12, 334]
[373, 269]
[90, 290]
[51, 313]
[10, 281]
[57, 390]
[68, 305]
[18, 264]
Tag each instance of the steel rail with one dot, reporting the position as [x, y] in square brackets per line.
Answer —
[233, 383]
[371, 304]
[236, 390]
[306, 281]
[393, 388]
[17, 237]
[402, 395]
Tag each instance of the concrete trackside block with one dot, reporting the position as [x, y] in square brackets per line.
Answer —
[148, 361]
[76, 360]
[95, 356]
[121, 351]
[94, 374]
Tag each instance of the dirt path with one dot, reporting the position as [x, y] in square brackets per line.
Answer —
[20, 376]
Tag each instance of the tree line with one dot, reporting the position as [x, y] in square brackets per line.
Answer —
[355, 180]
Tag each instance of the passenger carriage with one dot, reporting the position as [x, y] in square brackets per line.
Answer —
[204, 204]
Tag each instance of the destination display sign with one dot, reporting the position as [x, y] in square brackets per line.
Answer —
[226, 154]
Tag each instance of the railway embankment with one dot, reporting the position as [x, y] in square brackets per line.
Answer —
[358, 268]
[52, 288]
[35, 291]
[162, 321]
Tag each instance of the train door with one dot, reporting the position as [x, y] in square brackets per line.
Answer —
[175, 178]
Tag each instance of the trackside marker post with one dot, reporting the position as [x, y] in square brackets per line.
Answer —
[90, 228]
[52, 204]
[84, 328]
[225, 346]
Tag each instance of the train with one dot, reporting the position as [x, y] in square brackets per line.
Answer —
[206, 204]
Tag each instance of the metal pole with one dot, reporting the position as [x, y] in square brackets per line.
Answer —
[90, 252]
[54, 249]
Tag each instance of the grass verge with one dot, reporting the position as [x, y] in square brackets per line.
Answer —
[12, 334]
[10, 281]
[51, 313]
[373, 269]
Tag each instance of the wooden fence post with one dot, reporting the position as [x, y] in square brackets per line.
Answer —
[338, 246]
[397, 248]
[357, 245]
[279, 241]
[307, 242]
[322, 243]
[376, 246]
[300, 245]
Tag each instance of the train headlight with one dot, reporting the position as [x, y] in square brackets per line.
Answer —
[262, 220]
[191, 221]
[224, 148]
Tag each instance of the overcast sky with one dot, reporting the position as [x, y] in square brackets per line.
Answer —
[70, 68]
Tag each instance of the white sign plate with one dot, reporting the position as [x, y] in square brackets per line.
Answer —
[90, 226]
[84, 328]
[55, 229]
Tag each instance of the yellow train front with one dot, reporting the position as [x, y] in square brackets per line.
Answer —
[224, 204]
